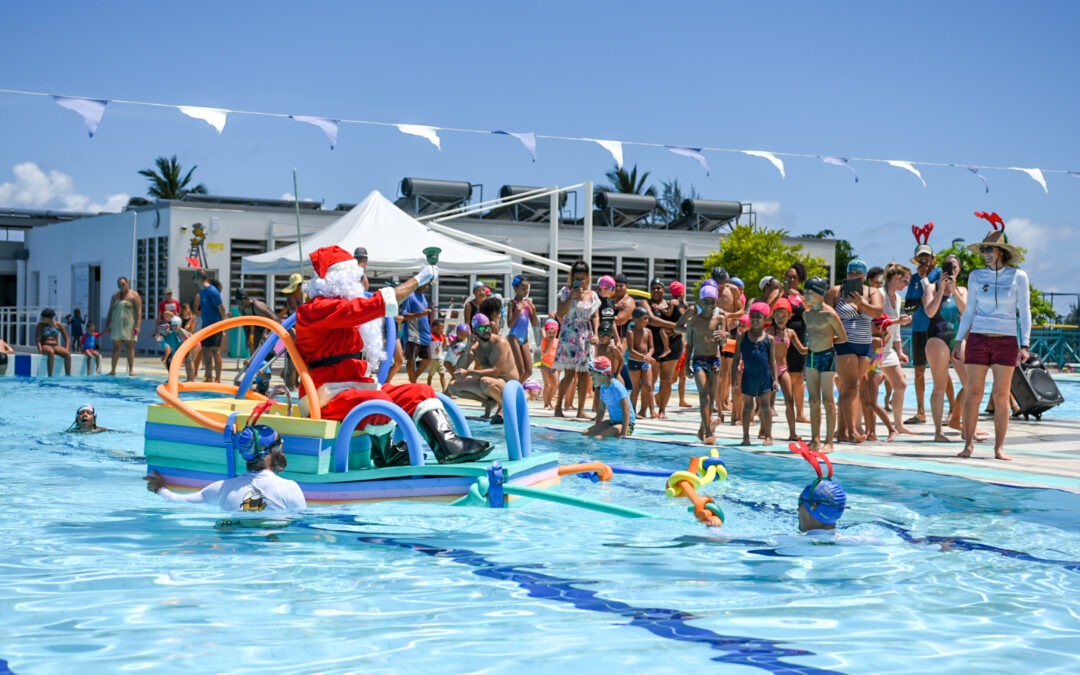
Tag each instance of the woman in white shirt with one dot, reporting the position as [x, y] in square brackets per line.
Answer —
[897, 278]
[997, 325]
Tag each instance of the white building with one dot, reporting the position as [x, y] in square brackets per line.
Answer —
[69, 261]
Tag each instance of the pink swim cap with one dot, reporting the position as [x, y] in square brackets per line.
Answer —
[744, 320]
[678, 289]
[606, 282]
[761, 308]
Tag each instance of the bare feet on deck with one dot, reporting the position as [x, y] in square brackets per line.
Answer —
[1002, 456]
[966, 452]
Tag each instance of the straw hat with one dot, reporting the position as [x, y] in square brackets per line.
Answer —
[295, 280]
[999, 239]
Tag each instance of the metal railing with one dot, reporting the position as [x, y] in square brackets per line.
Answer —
[1057, 346]
[18, 325]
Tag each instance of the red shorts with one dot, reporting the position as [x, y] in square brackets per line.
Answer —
[988, 350]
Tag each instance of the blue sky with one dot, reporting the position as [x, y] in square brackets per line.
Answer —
[984, 83]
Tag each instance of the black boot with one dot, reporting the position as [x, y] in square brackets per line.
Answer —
[448, 446]
[385, 453]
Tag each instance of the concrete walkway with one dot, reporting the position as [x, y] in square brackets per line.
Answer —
[1045, 453]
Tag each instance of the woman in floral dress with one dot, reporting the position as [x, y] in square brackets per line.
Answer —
[577, 311]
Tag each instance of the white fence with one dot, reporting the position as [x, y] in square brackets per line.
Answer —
[18, 325]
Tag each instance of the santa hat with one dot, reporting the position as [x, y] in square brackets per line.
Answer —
[329, 258]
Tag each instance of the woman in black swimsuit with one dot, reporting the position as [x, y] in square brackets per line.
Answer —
[665, 314]
[793, 281]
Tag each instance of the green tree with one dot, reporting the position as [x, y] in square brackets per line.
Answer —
[753, 252]
[845, 252]
[630, 183]
[672, 197]
[169, 180]
[1042, 310]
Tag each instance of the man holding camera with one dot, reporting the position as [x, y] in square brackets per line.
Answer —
[927, 272]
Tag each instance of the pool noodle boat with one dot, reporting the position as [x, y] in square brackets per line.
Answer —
[189, 441]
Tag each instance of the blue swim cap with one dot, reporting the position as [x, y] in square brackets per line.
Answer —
[857, 265]
[824, 501]
[255, 442]
[737, 281]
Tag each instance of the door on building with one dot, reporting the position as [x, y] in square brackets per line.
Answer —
[80, 291]
[93, 295]
[53, 289]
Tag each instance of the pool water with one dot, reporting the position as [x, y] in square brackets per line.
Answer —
[927, 573]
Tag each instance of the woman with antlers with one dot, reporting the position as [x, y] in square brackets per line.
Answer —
[998, 299]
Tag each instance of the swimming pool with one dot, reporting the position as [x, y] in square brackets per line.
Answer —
[928, 573]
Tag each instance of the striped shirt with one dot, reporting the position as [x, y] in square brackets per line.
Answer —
[856, 323]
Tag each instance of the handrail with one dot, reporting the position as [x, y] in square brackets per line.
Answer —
[170, 390]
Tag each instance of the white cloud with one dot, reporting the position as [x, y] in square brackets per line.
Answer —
[33, 188]
[768, 213]
[288, 196]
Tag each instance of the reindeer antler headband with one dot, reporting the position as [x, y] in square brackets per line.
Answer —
[994, 219]
[922, 234]
[813, 456]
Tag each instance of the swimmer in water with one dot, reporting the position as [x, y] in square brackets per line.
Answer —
[86, 421]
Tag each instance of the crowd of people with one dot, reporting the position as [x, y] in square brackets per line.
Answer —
[828, 349]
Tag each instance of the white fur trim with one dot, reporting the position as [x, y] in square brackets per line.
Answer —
[349, 264]
[425, 407]
[390, 298]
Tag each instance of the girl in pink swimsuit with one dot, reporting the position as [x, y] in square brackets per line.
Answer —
[784, 338]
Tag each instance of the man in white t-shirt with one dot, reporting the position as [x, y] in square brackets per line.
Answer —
[258, 490]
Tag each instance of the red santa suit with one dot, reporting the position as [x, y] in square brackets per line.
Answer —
[328, 339]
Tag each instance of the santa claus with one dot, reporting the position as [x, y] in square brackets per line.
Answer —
[328, 340]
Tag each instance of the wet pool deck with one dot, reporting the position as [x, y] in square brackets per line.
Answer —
[1045, 453]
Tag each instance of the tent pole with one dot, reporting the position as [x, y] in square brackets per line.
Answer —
[296, 201]
[587, 243]
[553, 253]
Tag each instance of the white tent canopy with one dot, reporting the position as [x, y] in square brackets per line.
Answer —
[394, 241]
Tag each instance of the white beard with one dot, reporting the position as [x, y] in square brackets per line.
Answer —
[347, 283]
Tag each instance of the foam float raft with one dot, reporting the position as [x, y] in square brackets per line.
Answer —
[188, 440]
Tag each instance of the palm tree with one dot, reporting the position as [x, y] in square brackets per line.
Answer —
[166, 182]
[630, 183]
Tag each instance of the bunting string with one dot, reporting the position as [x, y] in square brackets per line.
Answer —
[92, 111]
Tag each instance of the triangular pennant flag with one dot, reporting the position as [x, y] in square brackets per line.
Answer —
[839, 161]
[906, 166]
[614, 147]
[215, 117]
[975, 171]
[693, 153]
[329, 126]
[90, 109]
[430, 133]
[776, 161]
[1074, 174]
[1036, 175]
[528, 139]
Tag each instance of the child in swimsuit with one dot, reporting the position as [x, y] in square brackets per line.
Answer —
[89, 343]
[783, 339]
[549, 344]
[755, 352]
[823, 327]
[638, 357]
[703, 357]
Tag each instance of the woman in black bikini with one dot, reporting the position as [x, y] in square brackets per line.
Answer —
[665, 314]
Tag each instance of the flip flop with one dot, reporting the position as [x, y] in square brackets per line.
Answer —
[914, 419]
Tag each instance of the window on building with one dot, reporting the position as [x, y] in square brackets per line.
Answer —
[151, 272]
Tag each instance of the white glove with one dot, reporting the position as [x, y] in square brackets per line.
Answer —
[426, 275]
